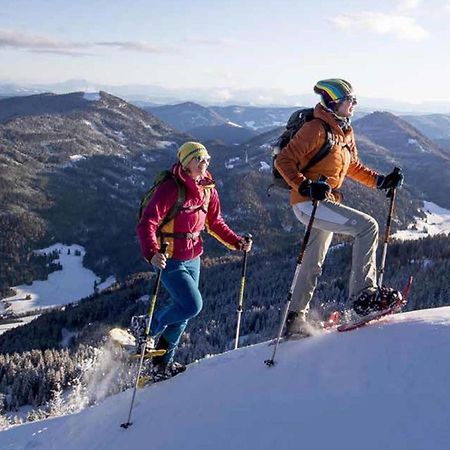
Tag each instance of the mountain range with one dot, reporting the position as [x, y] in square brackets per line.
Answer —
[75, 165]
[67, 166]
[220, 95]
[73, 168]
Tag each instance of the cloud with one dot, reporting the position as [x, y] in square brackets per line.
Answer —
[402, 27]
[45, 44]
[408, 5]
[221, 95]
[15, 39]
[62, 52]
[213, 42]
[144, 47]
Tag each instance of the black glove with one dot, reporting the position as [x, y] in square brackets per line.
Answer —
[316, 190]
[390, 181]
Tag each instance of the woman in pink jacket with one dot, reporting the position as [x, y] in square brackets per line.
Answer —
[181, 263]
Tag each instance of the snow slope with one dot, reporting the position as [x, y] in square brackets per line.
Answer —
[437, 221]
[68, 285]
[385, 386]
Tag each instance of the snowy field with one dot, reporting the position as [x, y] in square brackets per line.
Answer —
[385, 386]
[63, 286]
[437, 221]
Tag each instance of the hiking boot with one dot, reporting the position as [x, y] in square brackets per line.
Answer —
[162, 372]
[296, 325]
[376, 299]
[162, 344]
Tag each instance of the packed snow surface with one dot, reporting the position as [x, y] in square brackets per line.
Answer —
[384, 386]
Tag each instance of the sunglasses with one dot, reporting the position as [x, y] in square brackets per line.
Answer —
[351, 99]
[200, 159]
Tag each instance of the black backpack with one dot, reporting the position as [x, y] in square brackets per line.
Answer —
[295, 122]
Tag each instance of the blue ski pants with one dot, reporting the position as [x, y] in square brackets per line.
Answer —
[181, 279]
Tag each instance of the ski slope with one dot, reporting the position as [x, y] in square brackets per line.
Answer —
[385, 386]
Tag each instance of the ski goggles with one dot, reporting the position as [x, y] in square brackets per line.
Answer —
[199, 159]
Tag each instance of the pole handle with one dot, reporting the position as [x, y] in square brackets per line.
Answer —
[164, 247]
[391, 192]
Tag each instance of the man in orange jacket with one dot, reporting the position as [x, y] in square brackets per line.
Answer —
[335, 110]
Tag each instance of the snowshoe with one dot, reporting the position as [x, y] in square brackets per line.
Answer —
[162, 372]
[132, 347]
[402, 299]
[309, 329]
[144, 380]
[296, 326]
[376, 299]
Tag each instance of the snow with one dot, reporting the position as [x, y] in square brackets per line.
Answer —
[233, 124]
[92, 96]
[417, 144]
[165, 144]
[384, 386]
[437, 221]
[77, 157]
[65, 286]
[107, 283]
[264, 167]
[23, 321]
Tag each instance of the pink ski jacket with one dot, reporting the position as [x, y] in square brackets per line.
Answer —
[201, 210]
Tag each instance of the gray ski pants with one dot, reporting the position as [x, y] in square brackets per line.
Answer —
[335, 218]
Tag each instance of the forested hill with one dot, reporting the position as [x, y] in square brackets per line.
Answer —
[400, 143]
[69, 164]
[74, 168]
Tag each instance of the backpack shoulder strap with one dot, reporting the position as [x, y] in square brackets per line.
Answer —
[179, 202]
[324, 151]
[207, 197]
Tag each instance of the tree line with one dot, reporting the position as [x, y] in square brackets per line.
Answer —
[26, 350]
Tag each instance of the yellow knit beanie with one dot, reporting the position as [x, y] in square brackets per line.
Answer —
[189, 150]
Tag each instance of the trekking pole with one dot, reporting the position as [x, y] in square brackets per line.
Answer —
[271, 362]
[391, 194]
[247, 239]
[147, 332]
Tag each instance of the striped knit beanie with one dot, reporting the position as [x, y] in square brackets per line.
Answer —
[189, 150]
[332, 91]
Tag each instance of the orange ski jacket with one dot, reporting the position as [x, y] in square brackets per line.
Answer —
[342, 160]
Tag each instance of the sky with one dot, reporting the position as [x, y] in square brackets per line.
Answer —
[387, 49]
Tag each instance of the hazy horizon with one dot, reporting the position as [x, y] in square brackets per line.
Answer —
[237, 51]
